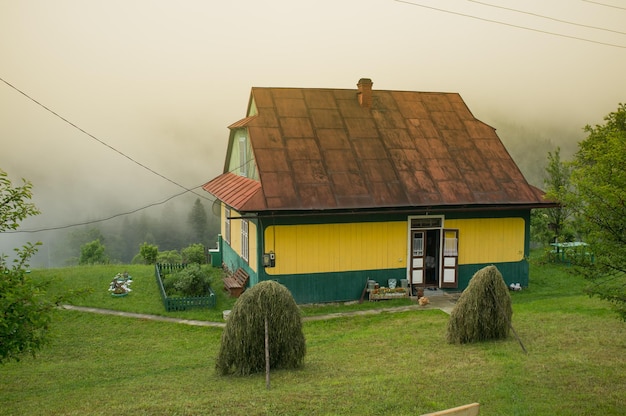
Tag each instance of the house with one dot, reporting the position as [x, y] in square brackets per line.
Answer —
[324, 189]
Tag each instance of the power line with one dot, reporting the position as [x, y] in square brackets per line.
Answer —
[97, 139]
[605, 5]
[547, 17]
[186, 190]
[510, 24]
[61, 227]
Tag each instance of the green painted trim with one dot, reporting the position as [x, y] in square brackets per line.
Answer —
[348, 286]
[233, 261]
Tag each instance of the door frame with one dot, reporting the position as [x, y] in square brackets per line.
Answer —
[416, 267]
[446, 269]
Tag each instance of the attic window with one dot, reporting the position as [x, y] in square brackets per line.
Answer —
[243, 159]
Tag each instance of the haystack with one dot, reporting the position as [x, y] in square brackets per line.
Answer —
[483, 312]
[242, 349]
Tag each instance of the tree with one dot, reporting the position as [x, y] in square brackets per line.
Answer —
[599, 199]
[149, 253]
[93, 253]
[25, 311]
[198, 222]
[557, 185]
[266, 305]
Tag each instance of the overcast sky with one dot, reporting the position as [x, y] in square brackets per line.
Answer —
[160, 81]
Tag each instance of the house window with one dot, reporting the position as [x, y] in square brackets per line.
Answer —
[426, 222]
[418, 244]
[227, 224]
[243, 159]
[244, 239]
[450, 244]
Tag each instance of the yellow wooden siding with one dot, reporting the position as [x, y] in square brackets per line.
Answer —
[322, 248]
[235, 232]
[235, 236]
[252, 246]
[489, 240]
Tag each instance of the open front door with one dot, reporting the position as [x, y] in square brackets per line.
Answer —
[450, 259]
[417, 258]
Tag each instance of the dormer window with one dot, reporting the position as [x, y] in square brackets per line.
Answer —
[243, 156]
[241, 160]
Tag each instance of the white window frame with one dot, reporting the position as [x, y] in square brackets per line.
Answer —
[245, 243]
[227, 224]
[243, 157]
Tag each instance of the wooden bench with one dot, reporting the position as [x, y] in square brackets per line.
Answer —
[236, 283]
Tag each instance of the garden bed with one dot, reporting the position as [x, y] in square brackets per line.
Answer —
[384, 293]
[180, 303]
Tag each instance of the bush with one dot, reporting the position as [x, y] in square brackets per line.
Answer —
[194, 253]
[242, 349]
[149, 252]
[483, 311]
[192, 281]
[169, 257]
[93, 253]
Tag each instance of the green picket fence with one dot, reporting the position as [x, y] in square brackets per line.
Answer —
[176, 303]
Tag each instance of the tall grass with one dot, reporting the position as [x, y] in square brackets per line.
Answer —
[397, 364]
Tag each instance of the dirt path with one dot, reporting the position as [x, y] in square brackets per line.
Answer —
[437, 302]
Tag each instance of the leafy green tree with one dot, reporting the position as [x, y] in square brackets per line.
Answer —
[557, 186]
[267, 305]
[13, 202]
[93, 253]
[25, 310]
[198, 222]
[599, 199]
[194, 253]
[149, 253]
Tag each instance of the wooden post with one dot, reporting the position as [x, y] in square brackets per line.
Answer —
[267, 354]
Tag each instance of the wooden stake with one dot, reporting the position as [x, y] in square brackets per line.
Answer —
[267, 354]
[493, 293]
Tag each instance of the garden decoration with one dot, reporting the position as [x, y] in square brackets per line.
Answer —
[120, 284]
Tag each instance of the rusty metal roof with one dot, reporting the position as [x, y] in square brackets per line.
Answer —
[320, 149]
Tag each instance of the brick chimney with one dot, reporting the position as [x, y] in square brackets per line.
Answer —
[365, 92]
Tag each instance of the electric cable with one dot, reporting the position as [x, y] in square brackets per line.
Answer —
[97, 139]
[510, 24]
[547, 17]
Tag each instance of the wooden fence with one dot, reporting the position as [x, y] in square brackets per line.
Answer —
[176, 303]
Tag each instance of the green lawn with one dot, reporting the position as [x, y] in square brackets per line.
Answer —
[391, 363]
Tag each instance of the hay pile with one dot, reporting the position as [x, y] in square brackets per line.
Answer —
[242, 349]
[483, 312]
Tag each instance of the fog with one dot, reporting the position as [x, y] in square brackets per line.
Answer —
[149, 87]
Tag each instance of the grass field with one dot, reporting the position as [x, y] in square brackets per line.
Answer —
[390, 363]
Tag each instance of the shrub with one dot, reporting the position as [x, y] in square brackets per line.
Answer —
[483, 311]
[192, 281]
[93, 253]
[149, 252]
[194, 253]
[170, 257]
[242, 349]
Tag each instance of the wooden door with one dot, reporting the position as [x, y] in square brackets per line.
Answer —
[450, 259]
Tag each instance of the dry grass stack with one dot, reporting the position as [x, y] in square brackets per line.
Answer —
[483, 312]
[242, 349]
